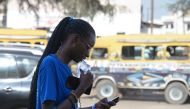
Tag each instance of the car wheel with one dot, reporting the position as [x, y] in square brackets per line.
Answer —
[176, 93]
[106, 88]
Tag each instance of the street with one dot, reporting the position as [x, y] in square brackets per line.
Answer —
[137, 104]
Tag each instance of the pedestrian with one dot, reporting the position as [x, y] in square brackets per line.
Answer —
[72, 39]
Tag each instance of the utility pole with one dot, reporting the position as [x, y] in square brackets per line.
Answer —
[152, 16]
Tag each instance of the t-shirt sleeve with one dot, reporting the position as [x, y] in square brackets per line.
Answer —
[47, 82]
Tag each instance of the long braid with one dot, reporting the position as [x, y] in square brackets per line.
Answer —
[53, 45]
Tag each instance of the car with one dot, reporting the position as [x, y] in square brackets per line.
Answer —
[17, 64]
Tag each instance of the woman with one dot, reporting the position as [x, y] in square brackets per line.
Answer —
[72, 39]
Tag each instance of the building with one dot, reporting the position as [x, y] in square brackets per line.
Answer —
[126, 21]
[174, 24]
[170, 24]
[26, 19]
[146, 27]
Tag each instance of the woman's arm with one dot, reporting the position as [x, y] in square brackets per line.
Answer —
[85, 81]
[66, 104]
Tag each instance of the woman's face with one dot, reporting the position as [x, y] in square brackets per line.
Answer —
[82, 48]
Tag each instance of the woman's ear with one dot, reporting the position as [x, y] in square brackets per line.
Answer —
[74, 40]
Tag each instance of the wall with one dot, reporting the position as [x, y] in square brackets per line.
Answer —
[126, 20]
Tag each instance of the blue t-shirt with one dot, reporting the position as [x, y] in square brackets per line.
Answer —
[52, 77]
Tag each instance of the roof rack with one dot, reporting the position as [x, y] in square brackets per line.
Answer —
[22, 45]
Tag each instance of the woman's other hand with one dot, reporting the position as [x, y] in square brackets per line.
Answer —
[103, 104]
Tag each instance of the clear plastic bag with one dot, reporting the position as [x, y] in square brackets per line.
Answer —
[84, 67]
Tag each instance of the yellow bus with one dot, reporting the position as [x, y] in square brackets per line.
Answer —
[142, 62]
[28, 36]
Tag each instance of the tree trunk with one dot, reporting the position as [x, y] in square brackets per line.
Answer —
[183, 21]
[4, 21]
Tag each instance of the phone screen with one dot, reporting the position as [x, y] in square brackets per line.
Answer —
[116, 99]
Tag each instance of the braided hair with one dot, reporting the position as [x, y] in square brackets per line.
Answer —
[65, 27]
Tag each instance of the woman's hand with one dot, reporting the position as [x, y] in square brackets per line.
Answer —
[103, 104]
[86, 80]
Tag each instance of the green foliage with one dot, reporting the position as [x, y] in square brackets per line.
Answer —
[180, 5]
[86, 8]
[75, 8]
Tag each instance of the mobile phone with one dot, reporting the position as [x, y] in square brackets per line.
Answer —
[72, 82]
[116, 99]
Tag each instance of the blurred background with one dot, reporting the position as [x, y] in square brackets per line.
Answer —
[117, 16]
[145, 60]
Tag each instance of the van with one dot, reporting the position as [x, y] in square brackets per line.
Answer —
[142, 62]
[26, 36]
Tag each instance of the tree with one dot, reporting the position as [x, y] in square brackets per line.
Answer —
[182, 6]
[4, 11]
[76, 8]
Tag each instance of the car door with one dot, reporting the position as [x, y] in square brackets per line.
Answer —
[26, 66]
[9, 84]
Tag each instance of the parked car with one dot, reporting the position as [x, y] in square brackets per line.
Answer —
[17, 64]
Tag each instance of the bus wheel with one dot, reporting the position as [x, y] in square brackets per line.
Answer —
[176, 93]
[106, 88]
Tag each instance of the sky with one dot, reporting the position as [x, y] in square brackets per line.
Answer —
[160, 8]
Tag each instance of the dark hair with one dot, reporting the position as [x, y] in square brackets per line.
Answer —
[65, 27]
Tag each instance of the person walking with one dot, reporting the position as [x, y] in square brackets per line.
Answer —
[72, 39]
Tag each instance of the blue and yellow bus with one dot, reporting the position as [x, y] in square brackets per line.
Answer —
[142, 62]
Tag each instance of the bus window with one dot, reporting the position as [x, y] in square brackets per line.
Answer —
[178, 52]
[153, 52]
[131, 52]
[99, 53]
